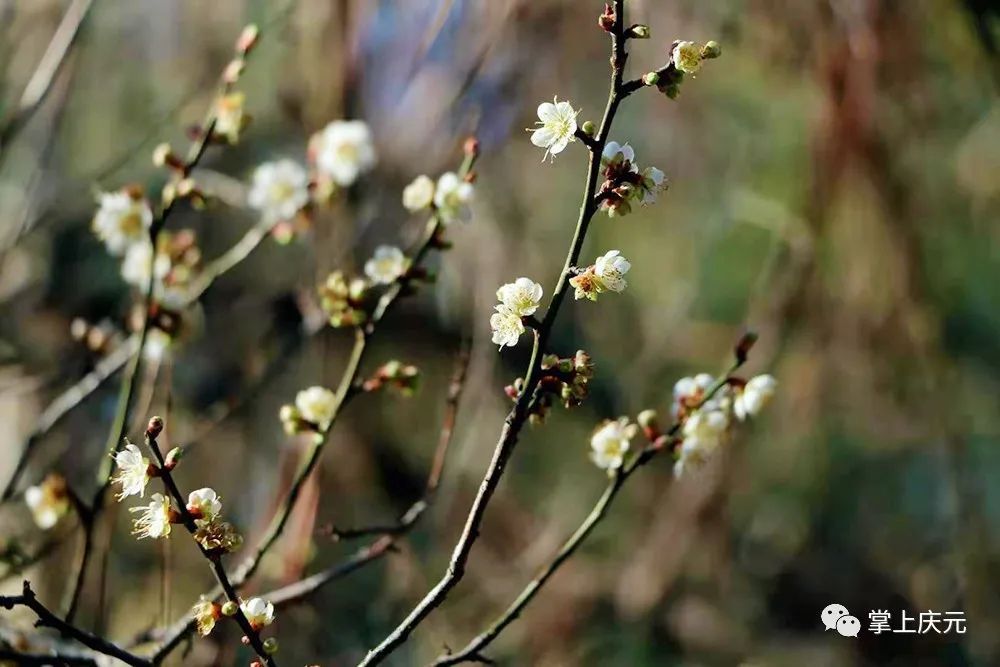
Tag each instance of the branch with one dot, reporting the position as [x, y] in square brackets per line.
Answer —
[43, 659]
[45, 73]
[48, 619]
[214, 559]
[473, 650]
[346, 391]
[518, 415]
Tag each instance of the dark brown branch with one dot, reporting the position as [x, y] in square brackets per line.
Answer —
[518, 416]
[48, 619]
[42, 659]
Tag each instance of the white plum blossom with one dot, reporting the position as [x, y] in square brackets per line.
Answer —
[133, 472]
[122, 218]
[137, 262]
[316, 405]
[703, 433]
[154, 519]
[343, 150]
[521, 297]
[452, 197]
[557, 127]
[507, 326]
[754, 397]
[610, 443]
[386, 265]
[610, 270]
[419, 194]
[48, 501]
[280, 189]
[687, 57]
[204, 504]
[652, 183]
[259, 612]
[615, 154]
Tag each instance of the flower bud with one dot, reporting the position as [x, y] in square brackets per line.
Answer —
[248, 38]
[743, 346]
[589, 128]
[607, 19]
[711, 50]
[650, 78]
[648, 420]
[164, 156]
[173, 458]
[638, 31]
[229, 608]
[471, 147]
[270, 645]
[154, 428]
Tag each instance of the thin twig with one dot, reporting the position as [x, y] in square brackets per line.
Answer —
[47, 618]
[519, 414]
[473, 650]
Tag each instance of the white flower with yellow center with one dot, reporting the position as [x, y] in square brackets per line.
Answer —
[611, 269]
[756, 394]
[154, 519]
[259, 612]
[419, 194]
[343, 150]
[133, 472]
[615, 154]
[48, 501]
[687, 57]
[386, 265]
[204, 504]
[316, 405]
[279, 190]
[521, 297]
[452, 197]
[122, 218]
[507, 326]
[138, 261]
[652, 184]
[557, 127]
[610, 443]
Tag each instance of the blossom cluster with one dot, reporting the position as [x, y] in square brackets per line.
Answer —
[450, 197]
[606, 274]
[624, 185]
[518, 300]
[403, 377]
[258, 612]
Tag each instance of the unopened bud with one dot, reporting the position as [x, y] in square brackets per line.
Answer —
[607, 19]
[234, 70]
[229, 608]
[589, 128]
[248, 38]
[744, 345]
[270, 645]
[638, 31]
[648, 420]
[711, 50]
[471, 147]
[650, 78]
[154, 427]
[164, 156]
[173, 458]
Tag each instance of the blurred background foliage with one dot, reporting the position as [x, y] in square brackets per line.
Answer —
[834, 184]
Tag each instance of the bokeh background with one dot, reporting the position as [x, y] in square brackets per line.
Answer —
[834, 185]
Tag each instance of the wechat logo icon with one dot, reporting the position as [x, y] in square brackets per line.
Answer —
[836, 617]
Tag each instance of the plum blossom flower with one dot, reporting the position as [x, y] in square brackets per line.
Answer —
[557, 127]
[651, 184]
[122, 218]
[615, 154]
[386, 265]
[139, 260]
[343, 150]
[230, 117]
[703, 433]
[217, 535]
[610, 442]
[507, 326]
[205, 613]
[48, 501]
[133, 472]
[316, 405]
[154, 519]
[611, 269]
[280, 189]
[687, 57]
[419, 194]
[204, 504]
[259, 612]
[521, 297]
[754, 397]
[452, 198]
[607, 274]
